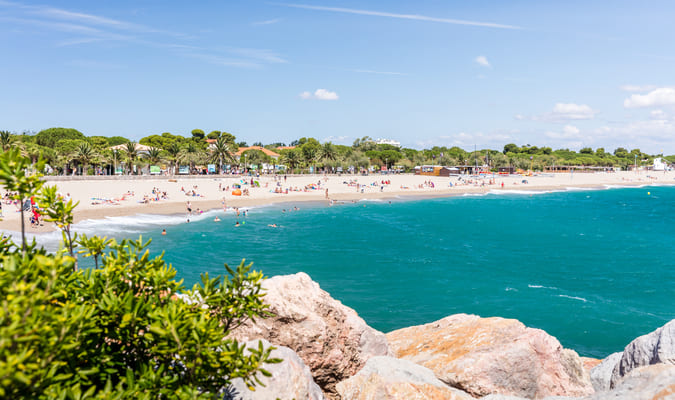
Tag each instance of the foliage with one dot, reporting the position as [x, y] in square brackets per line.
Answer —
[126, 329]
[50, 137]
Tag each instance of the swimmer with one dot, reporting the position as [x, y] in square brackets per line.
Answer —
[164, 232]
[216, 219]
[272, 225]
[237, 224]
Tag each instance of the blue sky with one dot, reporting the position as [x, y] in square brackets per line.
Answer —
[565, 74]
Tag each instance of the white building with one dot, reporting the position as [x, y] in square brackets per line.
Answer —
[388, 141]
[661, 165]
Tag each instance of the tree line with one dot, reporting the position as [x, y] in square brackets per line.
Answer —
[68, 150]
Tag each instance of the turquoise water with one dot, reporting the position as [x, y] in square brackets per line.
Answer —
[593, 268]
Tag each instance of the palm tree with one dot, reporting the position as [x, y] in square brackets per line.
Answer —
[221, 150]
[85, 154]
[173, 150]
[154, 155]
[6, 140]
[115, 156]
[291, 158]
[190, 154]
[328, 153]
[131, 153]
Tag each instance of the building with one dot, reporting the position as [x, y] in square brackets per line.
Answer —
[264, 150]
[661, 165]
[389, 142]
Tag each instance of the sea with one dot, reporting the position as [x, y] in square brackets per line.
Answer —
[593, 267]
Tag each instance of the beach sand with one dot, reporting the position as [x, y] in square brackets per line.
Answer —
[102, 197]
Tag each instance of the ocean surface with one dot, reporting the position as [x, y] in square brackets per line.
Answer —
[594, 268]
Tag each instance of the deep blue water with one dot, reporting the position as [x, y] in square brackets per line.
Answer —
[593, 268]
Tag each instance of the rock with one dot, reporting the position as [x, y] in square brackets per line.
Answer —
[503, 397]
[389, 378]
[291, 379]
[653, 382]
[329, 337]
[652, 348]
[493, 356]
[590, 363]
[601, 375]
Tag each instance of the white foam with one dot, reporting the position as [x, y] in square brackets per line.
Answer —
[573, 297]
[542, 287]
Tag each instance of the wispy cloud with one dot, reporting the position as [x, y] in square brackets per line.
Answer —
[258, 54]
[415, 17]
[266, 22]
[84, 28]
[369, 71]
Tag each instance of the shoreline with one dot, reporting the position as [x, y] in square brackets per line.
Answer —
[398, 189]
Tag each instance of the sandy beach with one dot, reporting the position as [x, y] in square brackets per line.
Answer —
[103, 197]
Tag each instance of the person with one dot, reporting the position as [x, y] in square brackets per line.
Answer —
[189, 208]
[163, 232]
[272, 225]
[326, 192]
[216, 219]
[237, 224]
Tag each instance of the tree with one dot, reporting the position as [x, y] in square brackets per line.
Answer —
[50, 137]
[586, 150]
[173, 150]
[116, 140]
[131, 153]
[198, 134]
[213, 135]
[256, 157]
[511, 148]
[291, 158]
[16, 178]
[6, 140]
[154, 155]
[221, 150]
[85, 155]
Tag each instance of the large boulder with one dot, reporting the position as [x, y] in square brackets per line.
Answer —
[653, 382]
[493, 356]
[601, 375]
[388, 378]
[653, 348]
[291, 379]
[329, 337]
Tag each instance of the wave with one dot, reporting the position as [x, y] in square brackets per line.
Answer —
[573, 297]
[542, 287]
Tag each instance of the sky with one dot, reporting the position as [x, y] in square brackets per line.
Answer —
[479, 73]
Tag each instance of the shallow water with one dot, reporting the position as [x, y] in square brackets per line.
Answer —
[595, 268]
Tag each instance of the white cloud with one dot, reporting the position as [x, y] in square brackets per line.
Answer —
[568, 132]
[563, 111]
[482, 61]
[637, 88]
[657, 114]
[401, 16]
[319, 94]
[658, 97]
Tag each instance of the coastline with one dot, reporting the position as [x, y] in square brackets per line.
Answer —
[101, 198]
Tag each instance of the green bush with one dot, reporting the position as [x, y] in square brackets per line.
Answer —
[123, 329]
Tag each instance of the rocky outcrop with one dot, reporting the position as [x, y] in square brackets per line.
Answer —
[493, 356]
[387, 378]
[329, 337]
[601, 375]
[653, 348]
[291, 379]
[653, 382]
